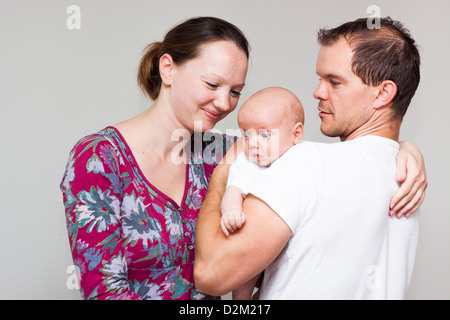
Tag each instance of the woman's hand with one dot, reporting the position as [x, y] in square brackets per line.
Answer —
[411, 172]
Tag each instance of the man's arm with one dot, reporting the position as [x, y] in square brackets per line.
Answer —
[245, 291]
[224, 263]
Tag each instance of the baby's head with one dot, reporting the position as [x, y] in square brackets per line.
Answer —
[271, 121]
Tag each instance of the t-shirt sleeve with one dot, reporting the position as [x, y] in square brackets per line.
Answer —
[291, 186]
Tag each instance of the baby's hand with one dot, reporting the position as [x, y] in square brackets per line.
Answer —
[231, 221]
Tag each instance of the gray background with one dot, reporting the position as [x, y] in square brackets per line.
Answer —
[57, 85]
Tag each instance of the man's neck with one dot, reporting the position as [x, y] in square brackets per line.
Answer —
[386, 129]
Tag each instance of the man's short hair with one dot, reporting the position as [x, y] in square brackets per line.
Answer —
[385, 53]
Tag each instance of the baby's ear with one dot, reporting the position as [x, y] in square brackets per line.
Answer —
[298, 132]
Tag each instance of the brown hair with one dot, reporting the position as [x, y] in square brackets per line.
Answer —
[385, 53]
[182, 43]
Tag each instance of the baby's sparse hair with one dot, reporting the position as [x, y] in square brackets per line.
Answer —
[279, 99]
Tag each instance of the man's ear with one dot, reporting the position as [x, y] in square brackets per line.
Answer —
[298, 132]
[165, 68]
[386, 92]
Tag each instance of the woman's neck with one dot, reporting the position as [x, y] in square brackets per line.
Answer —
[158, 130]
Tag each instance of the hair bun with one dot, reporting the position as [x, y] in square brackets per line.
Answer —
[149, 79]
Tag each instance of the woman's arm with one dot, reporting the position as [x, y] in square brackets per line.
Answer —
[412, 174]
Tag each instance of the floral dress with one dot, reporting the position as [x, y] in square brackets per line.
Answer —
[128, 239]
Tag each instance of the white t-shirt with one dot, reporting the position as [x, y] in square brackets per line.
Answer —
[335, 199]
[243, 173]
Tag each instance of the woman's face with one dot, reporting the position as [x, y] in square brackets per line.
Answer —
[204, 90]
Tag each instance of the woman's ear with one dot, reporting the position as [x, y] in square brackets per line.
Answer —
[298, 132]
[165, 68]
[386, 93]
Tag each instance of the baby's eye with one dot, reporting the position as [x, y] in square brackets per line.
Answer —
[265, 135]
[245, 135]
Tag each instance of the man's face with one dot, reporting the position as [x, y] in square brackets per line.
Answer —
[345, 102]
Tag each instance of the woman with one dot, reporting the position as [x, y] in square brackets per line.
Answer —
[131, 200]
[131, 209]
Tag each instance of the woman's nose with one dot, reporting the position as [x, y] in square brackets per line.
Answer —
[222, 101]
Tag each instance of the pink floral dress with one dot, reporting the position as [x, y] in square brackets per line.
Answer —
[128, 239]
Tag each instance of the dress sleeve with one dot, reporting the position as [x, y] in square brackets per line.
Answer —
[91, 188]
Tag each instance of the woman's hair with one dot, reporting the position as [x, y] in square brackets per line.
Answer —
[182, 43]
[385, 53]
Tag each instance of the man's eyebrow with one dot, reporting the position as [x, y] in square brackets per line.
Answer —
[331, 76]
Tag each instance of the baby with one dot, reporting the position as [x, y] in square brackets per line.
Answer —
[271, 121]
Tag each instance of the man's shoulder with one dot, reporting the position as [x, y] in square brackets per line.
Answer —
[313, 146]
[308, 151]
[300, 159]
[321, 148]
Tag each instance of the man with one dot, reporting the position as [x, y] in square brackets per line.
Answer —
[319, 226]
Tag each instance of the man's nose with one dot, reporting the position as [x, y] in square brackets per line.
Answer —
[320, 93]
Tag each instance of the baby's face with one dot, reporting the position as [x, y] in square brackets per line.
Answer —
[271, 122]
[263, 145]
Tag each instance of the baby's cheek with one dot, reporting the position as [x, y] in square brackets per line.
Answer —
[271, 150]
[246, 152]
